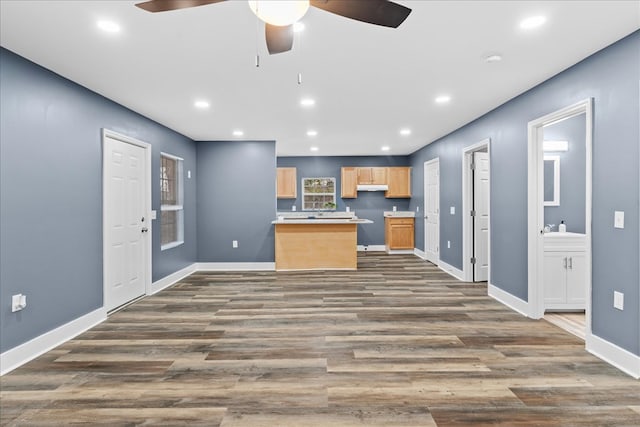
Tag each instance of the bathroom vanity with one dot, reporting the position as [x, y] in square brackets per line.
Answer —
[565, 271]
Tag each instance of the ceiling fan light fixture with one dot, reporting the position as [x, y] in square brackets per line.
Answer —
[279, 12]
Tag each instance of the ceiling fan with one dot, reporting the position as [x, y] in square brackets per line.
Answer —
[279, 16]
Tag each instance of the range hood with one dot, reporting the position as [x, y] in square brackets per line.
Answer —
[372, 187]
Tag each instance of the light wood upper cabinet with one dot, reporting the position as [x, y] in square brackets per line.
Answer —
[399, 182]
[349, 180]
[372, 175]
[399, 233]
[286, 183]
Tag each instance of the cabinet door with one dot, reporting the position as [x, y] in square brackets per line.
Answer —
[399, 233]
[576, 278]
[555, 275]
[365, 176]
[286, 183]
[399, 182]
[379, 176]
[349, 178]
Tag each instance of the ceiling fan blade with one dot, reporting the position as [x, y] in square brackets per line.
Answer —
[166, 5]
[378, 12]
[279, 39]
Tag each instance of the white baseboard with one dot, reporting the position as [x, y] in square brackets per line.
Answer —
[372, 248]
[235, 266]
[619, 357]
[169, 280]
[18, 356]
[509, 300]
[420, 254]
[458, 274]
[400, 252]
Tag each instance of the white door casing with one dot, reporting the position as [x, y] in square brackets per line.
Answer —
[481, 217]
[126, 219]
[432, 210]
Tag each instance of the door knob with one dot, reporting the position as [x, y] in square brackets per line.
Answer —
[144, 229]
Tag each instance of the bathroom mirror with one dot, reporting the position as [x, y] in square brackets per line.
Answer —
[551, 180]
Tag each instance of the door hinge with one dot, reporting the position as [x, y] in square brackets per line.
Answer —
[472, 165]
[473, 260]
[473, 213]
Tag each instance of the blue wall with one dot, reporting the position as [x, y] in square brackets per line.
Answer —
[572, 174]
[236, 201]
[369, 205]
[51, 196]
[610, 77]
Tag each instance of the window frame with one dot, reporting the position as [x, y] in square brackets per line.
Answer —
[332, 195]
[178, 206]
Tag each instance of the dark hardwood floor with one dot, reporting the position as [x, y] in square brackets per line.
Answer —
[397, 343]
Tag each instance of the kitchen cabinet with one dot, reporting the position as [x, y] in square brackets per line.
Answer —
[399, 182]
[349, 179]
[399, 233]
[565, 273]
[286, 183]
[372, 175]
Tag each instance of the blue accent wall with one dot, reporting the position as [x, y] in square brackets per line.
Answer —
[573, 171]
[236, 201]
[611, 78]
[51, 196]
[369, 205]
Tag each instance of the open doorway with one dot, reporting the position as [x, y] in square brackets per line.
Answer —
[476, 212]
[559, 210]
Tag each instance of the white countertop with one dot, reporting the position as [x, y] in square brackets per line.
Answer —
[399, 214]
[296, 221]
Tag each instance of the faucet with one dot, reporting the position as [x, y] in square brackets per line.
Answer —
[548, 228]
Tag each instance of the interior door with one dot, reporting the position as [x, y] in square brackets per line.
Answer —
[125, 222]
[481, 217]
[432, 210]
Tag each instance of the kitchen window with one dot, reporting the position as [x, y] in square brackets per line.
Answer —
[171, 199]
[318, 194]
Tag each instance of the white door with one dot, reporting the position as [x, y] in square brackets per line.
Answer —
[125, 224]
[481, 217]
[432, 210]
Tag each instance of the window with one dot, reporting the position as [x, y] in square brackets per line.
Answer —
[318, 194]
[171, 209]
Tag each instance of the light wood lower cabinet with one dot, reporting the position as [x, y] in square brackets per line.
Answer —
[286, 183]
[399, 233]
[565, 280]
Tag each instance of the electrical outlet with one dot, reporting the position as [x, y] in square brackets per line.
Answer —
[618, 219]
[453, 210]
[417, 208]
[293, 208]
[189, 174]
[235, 244]
[18, 302]
[395, 208]
[618, 300]
[448, 244]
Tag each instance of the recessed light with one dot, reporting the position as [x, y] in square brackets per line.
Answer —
[493, 58]
[532, 22]
[312, 133]
[314, 148]
[405, 132]
[238, 133]
[443, 99]
[386, 148]
[307, 102]
[298, 27]
[201, 104]
[108, 26]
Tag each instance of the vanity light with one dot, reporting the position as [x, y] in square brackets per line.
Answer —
[238, 133]
[443, 99]
[532, 22]
[312, 133]
[108, 26]
[555, 145]
[201, 104]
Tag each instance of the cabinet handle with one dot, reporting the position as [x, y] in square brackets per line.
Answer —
[565, 262]
[571, 263]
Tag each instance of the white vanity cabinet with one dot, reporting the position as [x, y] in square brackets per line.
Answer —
[565, 271]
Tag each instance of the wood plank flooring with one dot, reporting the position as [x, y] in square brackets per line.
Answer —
[574, 323]
[396, 343]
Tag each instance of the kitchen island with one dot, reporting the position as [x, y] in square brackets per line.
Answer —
[317, 242]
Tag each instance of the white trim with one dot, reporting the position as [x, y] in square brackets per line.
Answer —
[19, 355]
[371, 248]
[106, 133]
[171, 156]
[171, 245]
[507, 299]
[535, 208]
[467, 204]
[556, 179]
[451, 270]
[612, 354]
[172, 278]
[235, 266]
[399, 251]
[419, 253]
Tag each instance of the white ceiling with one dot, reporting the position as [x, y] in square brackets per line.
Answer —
[368, 81]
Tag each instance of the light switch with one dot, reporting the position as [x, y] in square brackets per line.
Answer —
[618, 300]
[618, 219]
[453, 210]
[154, 215]
[395, 209]
[189, 174]
[448, 244]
